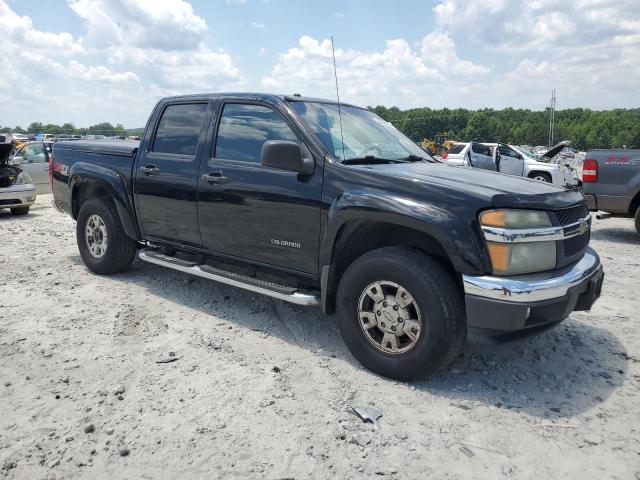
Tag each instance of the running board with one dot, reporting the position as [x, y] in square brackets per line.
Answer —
[262, 287]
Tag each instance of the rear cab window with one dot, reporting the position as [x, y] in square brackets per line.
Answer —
[179, 129]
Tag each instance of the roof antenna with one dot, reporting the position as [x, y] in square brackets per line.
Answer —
[335, 72]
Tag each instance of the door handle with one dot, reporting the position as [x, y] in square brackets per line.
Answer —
[150, 170]
[215, 178]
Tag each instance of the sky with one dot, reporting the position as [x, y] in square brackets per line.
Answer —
[88, 61]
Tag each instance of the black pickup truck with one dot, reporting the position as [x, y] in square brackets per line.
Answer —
[317, 203]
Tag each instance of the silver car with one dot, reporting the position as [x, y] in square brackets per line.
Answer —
[33, 158]
[17, 190]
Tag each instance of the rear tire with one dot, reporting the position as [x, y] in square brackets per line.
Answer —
[437, 305]
[20, 211]
[103, 244]
[637, 220]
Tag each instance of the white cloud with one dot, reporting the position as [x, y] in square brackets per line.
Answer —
[165, 24]
[257, 25]
[144, 43]
[438, 49]
[17, 30]
[395, 75]
[164, 38]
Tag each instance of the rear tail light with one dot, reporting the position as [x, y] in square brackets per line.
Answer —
[590, 171]
[445, 155]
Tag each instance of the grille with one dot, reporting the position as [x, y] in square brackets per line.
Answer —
[10, 201]
[575, 245]
[571, 215]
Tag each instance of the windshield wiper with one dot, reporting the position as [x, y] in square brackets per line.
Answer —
[370, 159]
[413, 158]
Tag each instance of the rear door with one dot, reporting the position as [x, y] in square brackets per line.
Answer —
[253, 212]
[34, 159]
[166, 174]
[509, 161]
[479, 156]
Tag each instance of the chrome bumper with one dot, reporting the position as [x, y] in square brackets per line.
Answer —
[533, 287]
[24, 194]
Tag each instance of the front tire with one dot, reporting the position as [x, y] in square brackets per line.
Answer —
[20, 211]
[637, 220]
[400, 313]
[103, 244]
[541, 177]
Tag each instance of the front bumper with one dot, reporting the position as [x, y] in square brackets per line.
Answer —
[508, 304]
[17, 196]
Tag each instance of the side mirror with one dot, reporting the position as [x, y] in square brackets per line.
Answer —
[286, 155]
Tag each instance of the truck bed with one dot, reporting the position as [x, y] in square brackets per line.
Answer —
[617, 187]
[124, 148]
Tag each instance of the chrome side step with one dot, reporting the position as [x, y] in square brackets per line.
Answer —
[280, 292]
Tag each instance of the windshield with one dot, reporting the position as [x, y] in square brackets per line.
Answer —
[365, 133]
[527, 153]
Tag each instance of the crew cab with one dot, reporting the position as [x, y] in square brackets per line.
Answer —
[318, 203]
[611, 182]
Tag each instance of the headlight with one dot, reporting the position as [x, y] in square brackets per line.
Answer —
[516, 241]
[515, 219]
[23, 178]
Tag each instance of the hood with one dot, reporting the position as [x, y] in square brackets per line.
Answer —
[555, 150]
[497, 189]
[6, 147]
[8, 175]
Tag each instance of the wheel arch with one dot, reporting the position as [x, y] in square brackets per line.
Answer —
[358, 236]
[90, 181]
[534, 173]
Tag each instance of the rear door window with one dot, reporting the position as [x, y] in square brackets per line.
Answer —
[244, 128]
[481, 149]
[179, 129]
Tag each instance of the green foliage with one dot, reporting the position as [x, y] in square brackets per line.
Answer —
[584, 128]
[104, 128]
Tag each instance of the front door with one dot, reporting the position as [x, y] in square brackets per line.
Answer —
[509, 161]
[166, 175]
[480, 156]
[254, 212]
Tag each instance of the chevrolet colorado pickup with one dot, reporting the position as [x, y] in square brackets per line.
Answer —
[611, 182]
[319, 203]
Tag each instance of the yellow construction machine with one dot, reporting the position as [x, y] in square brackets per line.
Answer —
[438, 145]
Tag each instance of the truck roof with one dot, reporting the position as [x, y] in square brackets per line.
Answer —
[266, 97]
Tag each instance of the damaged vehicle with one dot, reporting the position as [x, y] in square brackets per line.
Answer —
[503, 158]
[17, 190]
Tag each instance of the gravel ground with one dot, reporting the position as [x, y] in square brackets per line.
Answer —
[263, 389]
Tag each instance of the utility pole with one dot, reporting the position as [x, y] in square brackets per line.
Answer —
[552, 116]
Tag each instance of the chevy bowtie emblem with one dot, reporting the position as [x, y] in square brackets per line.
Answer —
[583, 228]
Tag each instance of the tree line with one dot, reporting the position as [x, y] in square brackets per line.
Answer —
[583, 127]
[586, 129]
[104, 128]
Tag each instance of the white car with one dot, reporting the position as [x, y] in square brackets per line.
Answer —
[33, 158]
[513, 160]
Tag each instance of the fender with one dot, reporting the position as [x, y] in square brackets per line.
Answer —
[83, 173]
[459, 240]
[550, 168]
